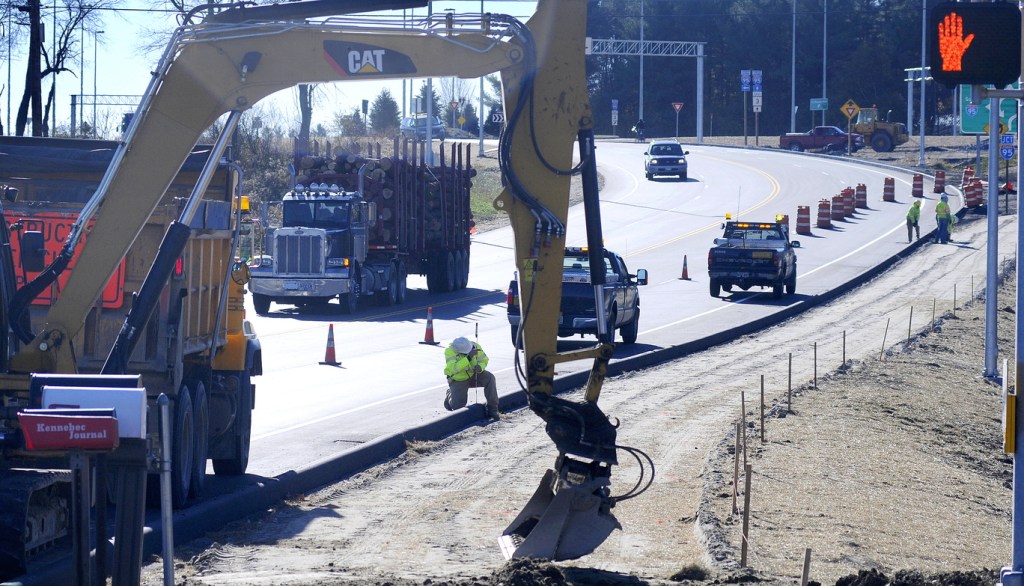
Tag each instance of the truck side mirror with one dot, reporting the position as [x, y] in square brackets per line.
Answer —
[33, 251]
[641, 276]
[10, 193]
[795, 243]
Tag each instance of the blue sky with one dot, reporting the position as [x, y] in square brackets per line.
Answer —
[123, 68]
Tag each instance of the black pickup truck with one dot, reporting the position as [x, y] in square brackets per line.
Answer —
[621, 296]
[753, 254]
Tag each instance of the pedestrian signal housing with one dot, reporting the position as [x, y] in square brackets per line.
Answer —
[975, 43]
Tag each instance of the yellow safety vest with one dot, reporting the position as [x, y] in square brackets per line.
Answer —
[460, 366]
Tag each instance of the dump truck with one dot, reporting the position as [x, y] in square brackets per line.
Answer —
[355, 226]
[882, 135]
[196, 348]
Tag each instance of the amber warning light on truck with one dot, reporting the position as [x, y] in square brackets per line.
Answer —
[975, 43]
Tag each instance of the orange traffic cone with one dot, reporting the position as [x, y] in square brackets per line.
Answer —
[428, 337]
[329, 358]
[686, 275]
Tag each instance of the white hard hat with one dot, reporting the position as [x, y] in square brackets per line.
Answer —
[462, 345]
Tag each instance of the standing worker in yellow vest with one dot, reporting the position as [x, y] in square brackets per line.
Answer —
[942, 219]
[466, 366]
[913, 219]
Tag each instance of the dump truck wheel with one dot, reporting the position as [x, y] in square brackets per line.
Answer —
[242, 432]
[201, 444]
[182, 449]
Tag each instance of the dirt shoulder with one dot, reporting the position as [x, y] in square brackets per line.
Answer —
[887, 465]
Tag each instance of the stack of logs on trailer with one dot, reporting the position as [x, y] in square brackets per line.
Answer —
[423, 212]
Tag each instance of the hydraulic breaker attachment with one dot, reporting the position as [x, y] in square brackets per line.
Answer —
[569, 514]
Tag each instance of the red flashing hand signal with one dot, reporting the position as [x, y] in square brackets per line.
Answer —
[952, 43]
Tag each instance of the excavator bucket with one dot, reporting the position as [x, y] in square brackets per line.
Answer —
[567, 517]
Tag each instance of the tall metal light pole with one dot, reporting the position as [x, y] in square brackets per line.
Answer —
[95, 68]
[53, 34]
[480, 113]
[824, 60]
[81, 84]
[792, 78]
[640, 114]
[924, 48]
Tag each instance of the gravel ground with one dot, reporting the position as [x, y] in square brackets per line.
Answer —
[889, 468]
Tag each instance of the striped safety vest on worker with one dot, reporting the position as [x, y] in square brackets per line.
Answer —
[461, 366]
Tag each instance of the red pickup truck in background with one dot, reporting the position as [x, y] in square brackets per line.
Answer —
[826, 138]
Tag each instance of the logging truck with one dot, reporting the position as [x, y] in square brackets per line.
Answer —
[355, 226]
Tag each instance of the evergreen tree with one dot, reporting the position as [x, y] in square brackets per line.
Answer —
[385, 115]
[439, 110]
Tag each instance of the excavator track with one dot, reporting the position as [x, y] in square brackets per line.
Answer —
[35, 514]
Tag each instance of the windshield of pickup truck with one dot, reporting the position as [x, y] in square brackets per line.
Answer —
[753, 233]
[582, 263]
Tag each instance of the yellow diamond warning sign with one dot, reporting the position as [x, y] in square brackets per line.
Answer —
[850, 108]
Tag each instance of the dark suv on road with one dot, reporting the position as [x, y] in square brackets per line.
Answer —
[416, 128]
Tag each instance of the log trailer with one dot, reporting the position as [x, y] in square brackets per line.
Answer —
[220, 67]
[355, 227]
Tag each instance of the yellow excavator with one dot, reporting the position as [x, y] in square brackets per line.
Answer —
[217, 68]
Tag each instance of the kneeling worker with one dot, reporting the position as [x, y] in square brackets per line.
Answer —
[465, 366]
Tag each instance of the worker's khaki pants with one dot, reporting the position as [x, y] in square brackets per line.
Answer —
[458, 391]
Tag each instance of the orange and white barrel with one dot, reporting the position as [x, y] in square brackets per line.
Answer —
[967, 176]
[848, 201]
[838, 207]
[861, 196]
[824, 214]
[973, 195]
[918, 187]
[889, 189]
[940, 182]
[803, 219]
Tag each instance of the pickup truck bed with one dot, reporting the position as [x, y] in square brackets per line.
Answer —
[753, 255]
[578, 314]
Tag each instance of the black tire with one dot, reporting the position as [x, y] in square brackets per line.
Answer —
[464, 259]
[650, 176]
[727, 288]
[629, 331]
[182, 449]
[239, 460]
[881, 142]
[434, 280]
[682, 176]
[715, 287]
[201, 444]
[261, 303]
[388, 296]
[449, 275]
[777, 288]
[795, 147]
[403, 276]
[516, 341]
[609, 338]
[457, 277]
[350, 301]
[791, 284]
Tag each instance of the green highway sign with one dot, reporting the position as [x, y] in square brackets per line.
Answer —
[819, 104]
[974, 117]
